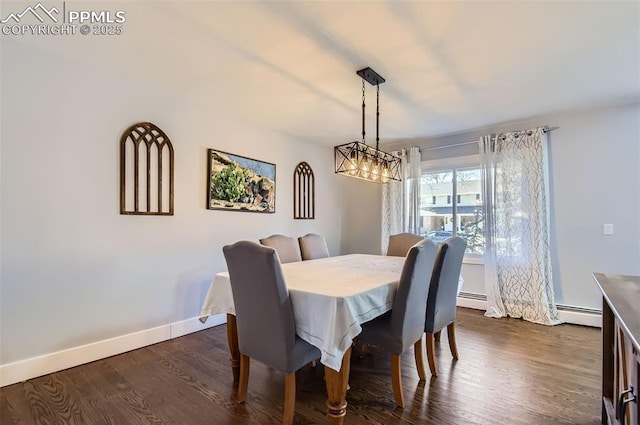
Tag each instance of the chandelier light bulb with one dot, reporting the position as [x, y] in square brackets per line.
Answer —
[353, 164]
[375, 173]
[365, 167]
[385, 174]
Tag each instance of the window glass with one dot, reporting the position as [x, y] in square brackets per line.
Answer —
[451, 204]
[469, 209]
[436, 217]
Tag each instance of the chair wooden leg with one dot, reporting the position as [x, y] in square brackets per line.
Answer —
[431, 355]
[396, 379]
[418, 352]
[243, 383]
[232, 340]
[289, 398]
[451, 333]
[436, 335]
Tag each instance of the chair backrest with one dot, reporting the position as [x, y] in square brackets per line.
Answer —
[313, 246]
[266, 325]
[286, 246]
[443, 290]
[399, 244]
[409, 305]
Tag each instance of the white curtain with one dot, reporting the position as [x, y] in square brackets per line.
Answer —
[518, 278]
[392, 201]
[401, 200]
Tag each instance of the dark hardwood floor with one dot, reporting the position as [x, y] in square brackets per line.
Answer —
[509, 372]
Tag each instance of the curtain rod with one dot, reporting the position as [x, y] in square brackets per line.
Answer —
[545, 129]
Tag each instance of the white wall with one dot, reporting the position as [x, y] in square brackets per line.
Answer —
[594, 179]
[362, 216]
[75, 271]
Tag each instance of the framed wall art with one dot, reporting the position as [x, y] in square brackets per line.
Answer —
[238, 183]
[146, 171]
[304, 192]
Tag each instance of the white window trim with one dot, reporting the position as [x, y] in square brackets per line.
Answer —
[468, 161]
[432, 166]
[473, 259]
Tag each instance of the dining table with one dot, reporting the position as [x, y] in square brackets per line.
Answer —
[331, 298]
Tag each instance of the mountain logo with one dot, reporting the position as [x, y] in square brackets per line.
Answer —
[39, 11]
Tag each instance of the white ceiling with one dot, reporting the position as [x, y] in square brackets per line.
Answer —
[449, 66]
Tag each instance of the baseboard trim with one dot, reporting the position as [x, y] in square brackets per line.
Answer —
[567, 314]
[23, 370]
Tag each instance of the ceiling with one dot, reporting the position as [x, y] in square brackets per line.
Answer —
[449, 66]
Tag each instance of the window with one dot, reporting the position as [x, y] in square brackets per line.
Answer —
[460, 181]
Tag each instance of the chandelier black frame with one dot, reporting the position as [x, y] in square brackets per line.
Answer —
[359, 160]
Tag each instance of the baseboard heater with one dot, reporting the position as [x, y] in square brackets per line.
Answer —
[583, 310]
[472, 296]
[560, 307]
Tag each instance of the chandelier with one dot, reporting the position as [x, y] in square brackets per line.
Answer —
[359, 160]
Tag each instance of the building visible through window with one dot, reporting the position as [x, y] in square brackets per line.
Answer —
[441, 219]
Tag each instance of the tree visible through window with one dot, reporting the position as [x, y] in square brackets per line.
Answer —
[451, 205]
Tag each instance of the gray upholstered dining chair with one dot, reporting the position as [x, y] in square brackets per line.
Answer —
[403, 326]
[399, 244]
[443, 296]
[313, 246]
[286, 246]
[264, 317]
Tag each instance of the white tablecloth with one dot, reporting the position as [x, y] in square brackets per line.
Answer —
[331, 298]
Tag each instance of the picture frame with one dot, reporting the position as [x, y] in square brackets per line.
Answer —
[239, 183]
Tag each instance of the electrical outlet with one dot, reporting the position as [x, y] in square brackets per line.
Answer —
[608, 229]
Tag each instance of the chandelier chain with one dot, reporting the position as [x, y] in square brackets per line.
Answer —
[363, 132]
[377, 116]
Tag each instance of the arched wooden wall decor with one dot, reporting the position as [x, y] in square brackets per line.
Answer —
[146, 171]
[304, 192]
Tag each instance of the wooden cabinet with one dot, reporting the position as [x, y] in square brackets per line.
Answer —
[620, 349]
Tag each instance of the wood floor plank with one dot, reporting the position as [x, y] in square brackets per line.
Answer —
[508, 372]
[84, 383]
